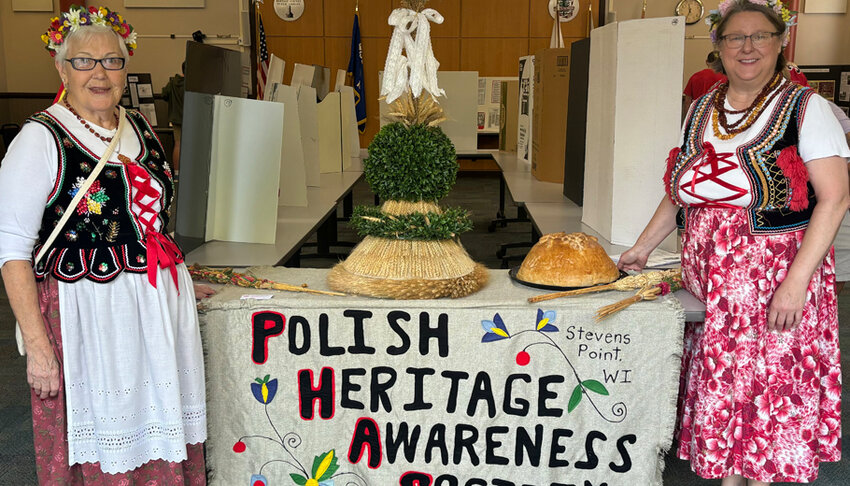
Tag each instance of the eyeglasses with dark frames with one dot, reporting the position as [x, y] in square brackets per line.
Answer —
[88, 63]
[736, 41]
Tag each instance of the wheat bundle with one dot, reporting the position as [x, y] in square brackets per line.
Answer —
[403, 269]
[632, 282]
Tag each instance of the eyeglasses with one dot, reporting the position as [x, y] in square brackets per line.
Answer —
[736, 41]
[87, 63]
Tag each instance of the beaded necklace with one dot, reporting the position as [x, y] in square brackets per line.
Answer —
[86, 123]
[750, 114]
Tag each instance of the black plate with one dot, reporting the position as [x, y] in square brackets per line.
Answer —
[513, 271]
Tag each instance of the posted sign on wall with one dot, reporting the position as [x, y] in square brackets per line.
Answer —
[486, 390]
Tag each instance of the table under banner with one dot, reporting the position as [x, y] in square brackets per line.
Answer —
[484, 390]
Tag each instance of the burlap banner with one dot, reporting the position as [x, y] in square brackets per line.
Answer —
[485, 390]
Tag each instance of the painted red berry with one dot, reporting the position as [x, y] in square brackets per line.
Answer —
[239, 447]
[259, 483]
[522, 358]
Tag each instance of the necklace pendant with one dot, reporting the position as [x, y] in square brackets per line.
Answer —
[124, 159]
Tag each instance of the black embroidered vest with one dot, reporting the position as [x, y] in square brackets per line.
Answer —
[775, 207]
[103, 237]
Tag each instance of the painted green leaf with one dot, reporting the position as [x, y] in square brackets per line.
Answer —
[330, 465]
[299, 479]
[595, 386]
[575, 398]
[258, 380]
[266, 379]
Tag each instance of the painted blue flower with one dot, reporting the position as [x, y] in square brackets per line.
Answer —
[545, 320]
[494, 330]
[258, 480]
[264, 390]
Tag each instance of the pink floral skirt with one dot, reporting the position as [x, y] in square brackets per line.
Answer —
[756, 403]
[51, 440]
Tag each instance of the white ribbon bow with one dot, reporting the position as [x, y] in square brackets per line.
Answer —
[418, 69]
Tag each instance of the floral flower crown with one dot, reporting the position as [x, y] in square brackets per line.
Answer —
[714, 16]
[76, 17]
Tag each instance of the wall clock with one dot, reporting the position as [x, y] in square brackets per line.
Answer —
[692, 10]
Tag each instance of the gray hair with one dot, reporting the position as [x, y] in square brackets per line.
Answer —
[84, 34]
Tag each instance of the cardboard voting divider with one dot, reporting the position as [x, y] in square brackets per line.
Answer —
[340, 79]
[318, 77]
[275, 75]
[489, 98]
[308, 114]
[242, 203]
[293, 173]
[526, 108]
[348, 126]
[508, 115]
[551, 96]
[460, 105]
[330, 134]
[624, 168]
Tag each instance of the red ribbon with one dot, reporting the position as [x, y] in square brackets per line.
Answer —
[162, 253]
[717, 164]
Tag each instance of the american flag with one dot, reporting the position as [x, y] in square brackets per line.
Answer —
[262, 60]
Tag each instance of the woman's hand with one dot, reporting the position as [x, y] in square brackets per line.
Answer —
[786, 308]
[203, 291]
[43, 370]
[633, 259]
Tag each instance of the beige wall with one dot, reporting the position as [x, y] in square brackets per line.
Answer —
[821, 38]
[29, 68]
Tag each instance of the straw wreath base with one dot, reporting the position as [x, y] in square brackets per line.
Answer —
[403, 269]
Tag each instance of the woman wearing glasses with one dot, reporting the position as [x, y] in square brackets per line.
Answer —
[107, 316]
[760, 177]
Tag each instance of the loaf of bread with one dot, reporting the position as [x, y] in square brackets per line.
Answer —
[568, 260]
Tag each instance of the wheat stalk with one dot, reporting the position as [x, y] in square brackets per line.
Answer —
[646, 293]
[632, 282]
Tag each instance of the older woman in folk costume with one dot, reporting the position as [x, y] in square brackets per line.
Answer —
[761, 177]
[107, 316]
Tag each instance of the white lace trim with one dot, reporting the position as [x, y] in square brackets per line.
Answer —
[135, 447]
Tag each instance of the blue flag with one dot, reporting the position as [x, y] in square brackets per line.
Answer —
[355, 71]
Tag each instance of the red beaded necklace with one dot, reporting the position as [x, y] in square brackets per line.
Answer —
[86, 123]
[750, 114]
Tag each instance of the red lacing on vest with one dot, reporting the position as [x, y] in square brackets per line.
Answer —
[717, 165]
[161, 252]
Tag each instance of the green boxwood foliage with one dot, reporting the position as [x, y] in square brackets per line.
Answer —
[370, 221]
[416, 163]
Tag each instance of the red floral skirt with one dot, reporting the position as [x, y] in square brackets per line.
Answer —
[51, 440]
[761, 404]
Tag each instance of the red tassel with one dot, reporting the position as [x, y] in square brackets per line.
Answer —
[671, 162]
[796, 176]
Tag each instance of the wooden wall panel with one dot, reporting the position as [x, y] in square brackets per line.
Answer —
[537, 43]
[450, 10]
[494, 18]
[303, 50]
[447, 52]
[309, 25]
[540, 22]
[492, 57]
[487, 36]
[339, 17]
